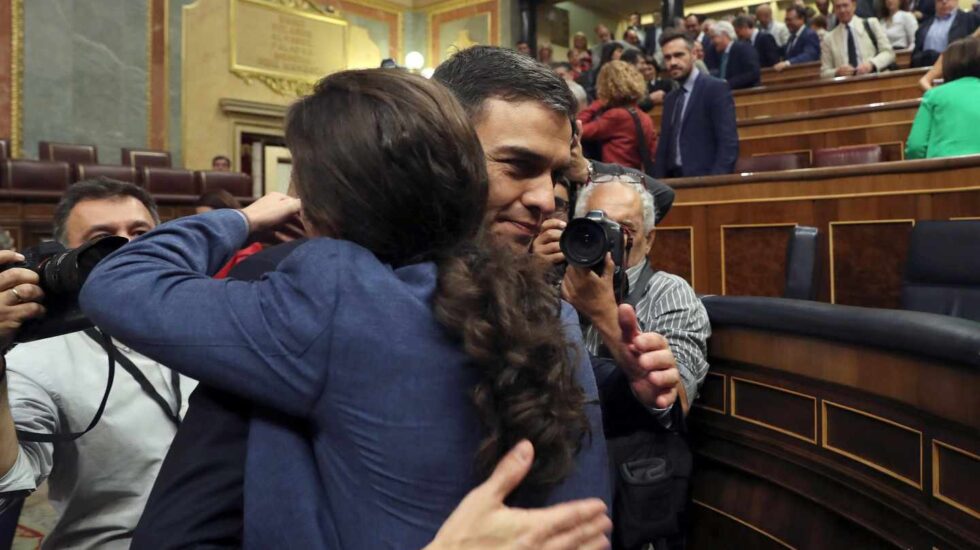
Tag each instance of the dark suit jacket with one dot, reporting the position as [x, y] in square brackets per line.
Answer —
[768, 50]
[965, 23]
[743, 65]
[806, 47]
[709, 137]
[926, 7]
[650, 40]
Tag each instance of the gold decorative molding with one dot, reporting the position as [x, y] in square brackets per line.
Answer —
[16, 76]
[232, 106]
[734, 409]
[937, 473]
[830, 238]
[914, 483]
[762, 532]
[278, 84]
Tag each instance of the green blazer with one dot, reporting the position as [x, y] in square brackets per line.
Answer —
[947, 122]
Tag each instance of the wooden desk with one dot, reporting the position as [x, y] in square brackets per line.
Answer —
[810, 71]
[806, 442]
[728, 234]
[829, 119]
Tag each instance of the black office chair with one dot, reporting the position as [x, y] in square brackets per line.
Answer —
[801, 262]
[942, 273]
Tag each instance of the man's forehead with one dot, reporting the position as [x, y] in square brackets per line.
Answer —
[526, 124]
[110, 209]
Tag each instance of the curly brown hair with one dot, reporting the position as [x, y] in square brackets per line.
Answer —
[620, 84]
[408, 182]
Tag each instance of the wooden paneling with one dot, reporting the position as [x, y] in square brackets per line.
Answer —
[753, 259]
[788, 412]
[810, 72]
[939, 189]
[830, 119]
[789, 106]
[713, 394]
[673, 251]
[884, 132]
[867, 260]
[872, 482]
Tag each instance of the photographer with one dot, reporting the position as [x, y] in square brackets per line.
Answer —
[664, 303]
[99, 482]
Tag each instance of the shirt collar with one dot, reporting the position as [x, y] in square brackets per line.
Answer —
[633, 273]
[689, 83]
[730, 44]
[755, 33]
[948, 17]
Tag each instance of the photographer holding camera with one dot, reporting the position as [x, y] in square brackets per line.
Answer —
[55, 388]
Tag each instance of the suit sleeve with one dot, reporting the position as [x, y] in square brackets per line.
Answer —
[827, 67]
[749, 78]
[722, 109]
[811, 49]
[886, 55]
[917, 145]
[237, 336]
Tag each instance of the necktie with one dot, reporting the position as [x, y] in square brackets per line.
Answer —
[789, 45]
[852, 56]
[676, 118]
[723, 70]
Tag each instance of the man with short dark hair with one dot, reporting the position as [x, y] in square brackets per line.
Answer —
[221, 163]
[698, 135]
[523, 47]
[764, 43]
[768, 25]
[100, 482]
[803, 45]
[731, 59]
[948, 25]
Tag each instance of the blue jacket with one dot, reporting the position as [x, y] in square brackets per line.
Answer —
[806, 47]
[743, 65]
[368, 432]
[709, 137]
[765, 45]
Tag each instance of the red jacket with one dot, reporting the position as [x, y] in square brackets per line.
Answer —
[615, 130]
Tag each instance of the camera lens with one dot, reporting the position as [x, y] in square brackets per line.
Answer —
[66, 272]
[583, 242]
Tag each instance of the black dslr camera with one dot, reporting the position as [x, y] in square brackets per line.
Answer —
[586, 241]
[62, 273]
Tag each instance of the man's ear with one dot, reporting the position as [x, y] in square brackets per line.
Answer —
[650, 238]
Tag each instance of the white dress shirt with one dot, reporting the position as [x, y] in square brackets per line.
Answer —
[900, 30]
[779, 31]
[98, 483]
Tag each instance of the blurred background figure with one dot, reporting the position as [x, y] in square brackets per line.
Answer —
[221, 163]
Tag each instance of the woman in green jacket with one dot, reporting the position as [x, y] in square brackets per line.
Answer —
[949, 116]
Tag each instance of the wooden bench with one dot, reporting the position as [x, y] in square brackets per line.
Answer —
[814, 429]
[829, 119]
[727, 234]
[810, 71]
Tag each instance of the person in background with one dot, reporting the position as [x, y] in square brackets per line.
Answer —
[826, 9]
[705, 37]
[545, 54]
[900, 24]
[523, 47]
[923, 10]
[849, 49]
[698, 134]
[580, 45]
[819, 25]
[215, 200]
[611, 51]
[611, 121]
[934, 34]
[698, 52]
[565, 71]
[764, 43]
[603, 37]
[936, 71]
[947, 121]
[657, 88]
[768, 25]
[221, 163]
[733, 60]
[631, 38]
[692, 26]
[803, 45]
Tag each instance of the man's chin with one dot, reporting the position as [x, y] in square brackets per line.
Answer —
[516, 243]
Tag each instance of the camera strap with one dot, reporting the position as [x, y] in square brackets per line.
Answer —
[127, 364]
[104, 341]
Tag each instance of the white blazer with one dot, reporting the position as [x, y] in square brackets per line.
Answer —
[833, 48]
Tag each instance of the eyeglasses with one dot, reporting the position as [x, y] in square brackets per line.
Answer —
[622, 178]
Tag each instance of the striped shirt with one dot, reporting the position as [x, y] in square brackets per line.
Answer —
[669, 307]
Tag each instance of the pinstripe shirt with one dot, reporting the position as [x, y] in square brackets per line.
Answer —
[670, 308]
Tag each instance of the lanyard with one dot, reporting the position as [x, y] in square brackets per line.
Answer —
[140, 378]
